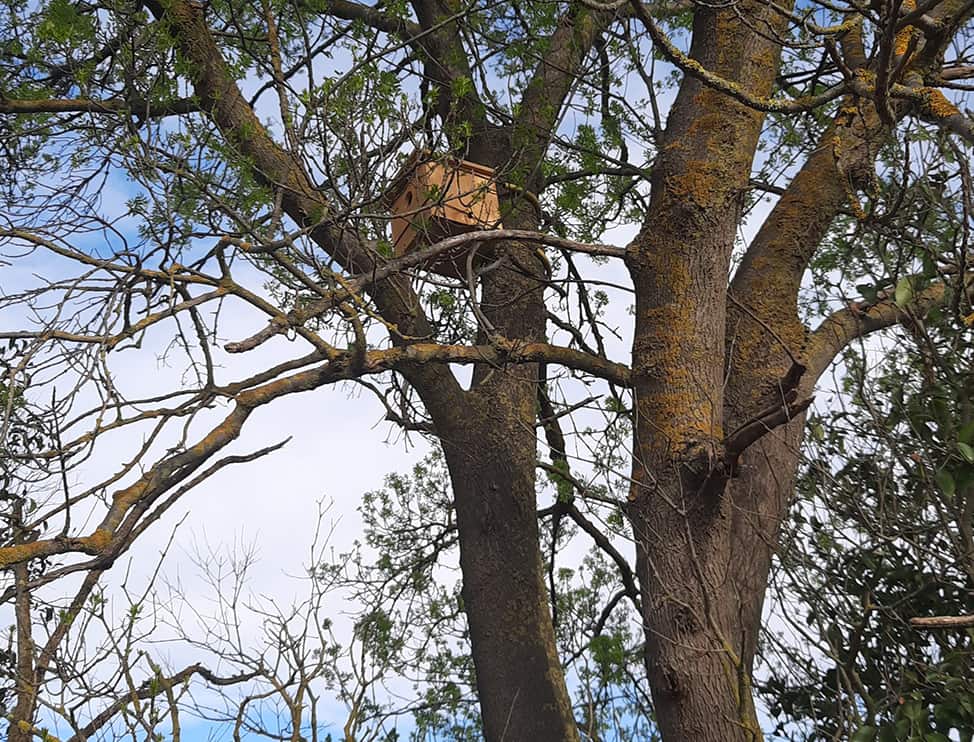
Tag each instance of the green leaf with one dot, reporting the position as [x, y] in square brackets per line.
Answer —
[946, 482]
[868, 292]
[913, 710]
[61, 22]
[817, 430]
[903, 293]
[966, 451]
[864, 734]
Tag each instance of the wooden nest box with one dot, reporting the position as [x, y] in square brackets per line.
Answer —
[433, 199]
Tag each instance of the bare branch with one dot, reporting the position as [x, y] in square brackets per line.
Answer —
[942, 622]
[414, 259]
[860, 319]
[142, 109]
[154, 687]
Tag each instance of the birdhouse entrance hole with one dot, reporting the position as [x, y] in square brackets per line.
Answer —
[433, 199]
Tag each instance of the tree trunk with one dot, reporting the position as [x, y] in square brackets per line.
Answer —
[700, 687]
[704, 574]
[490, 447]
[680, 507]
[491, 455]
[761, 496]
[20, 723]
[519, 676]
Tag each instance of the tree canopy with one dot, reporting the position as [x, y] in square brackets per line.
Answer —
[691, 353]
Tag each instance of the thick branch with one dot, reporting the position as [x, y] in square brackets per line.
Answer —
[942, 622]
[693, 68]
[500, 351]
[787, 410]
[446, 61]
[89, 105]
[930, 104]
[859, 319]
[377, 19]
[544, 97]
[167, 473]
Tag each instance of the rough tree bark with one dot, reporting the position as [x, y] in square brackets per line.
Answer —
[709, 360]
[680, 513]
[490, 447]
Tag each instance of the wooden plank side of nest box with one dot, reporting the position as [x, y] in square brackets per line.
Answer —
[471, 197]
[437, 201]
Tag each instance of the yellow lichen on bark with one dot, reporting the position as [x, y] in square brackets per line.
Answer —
[680, 418]
[682, 413]
[935, 103]
[765, 338]
[99, 540]
[125, 498]
[17, 553]
[700, 185]
[96, 543]
[902, 41]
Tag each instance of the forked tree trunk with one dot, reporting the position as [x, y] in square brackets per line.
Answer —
[680, 507]
[705, 574]
[760, 498]
[700, 688]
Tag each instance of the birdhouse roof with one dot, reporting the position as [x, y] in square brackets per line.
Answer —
[422, 157]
